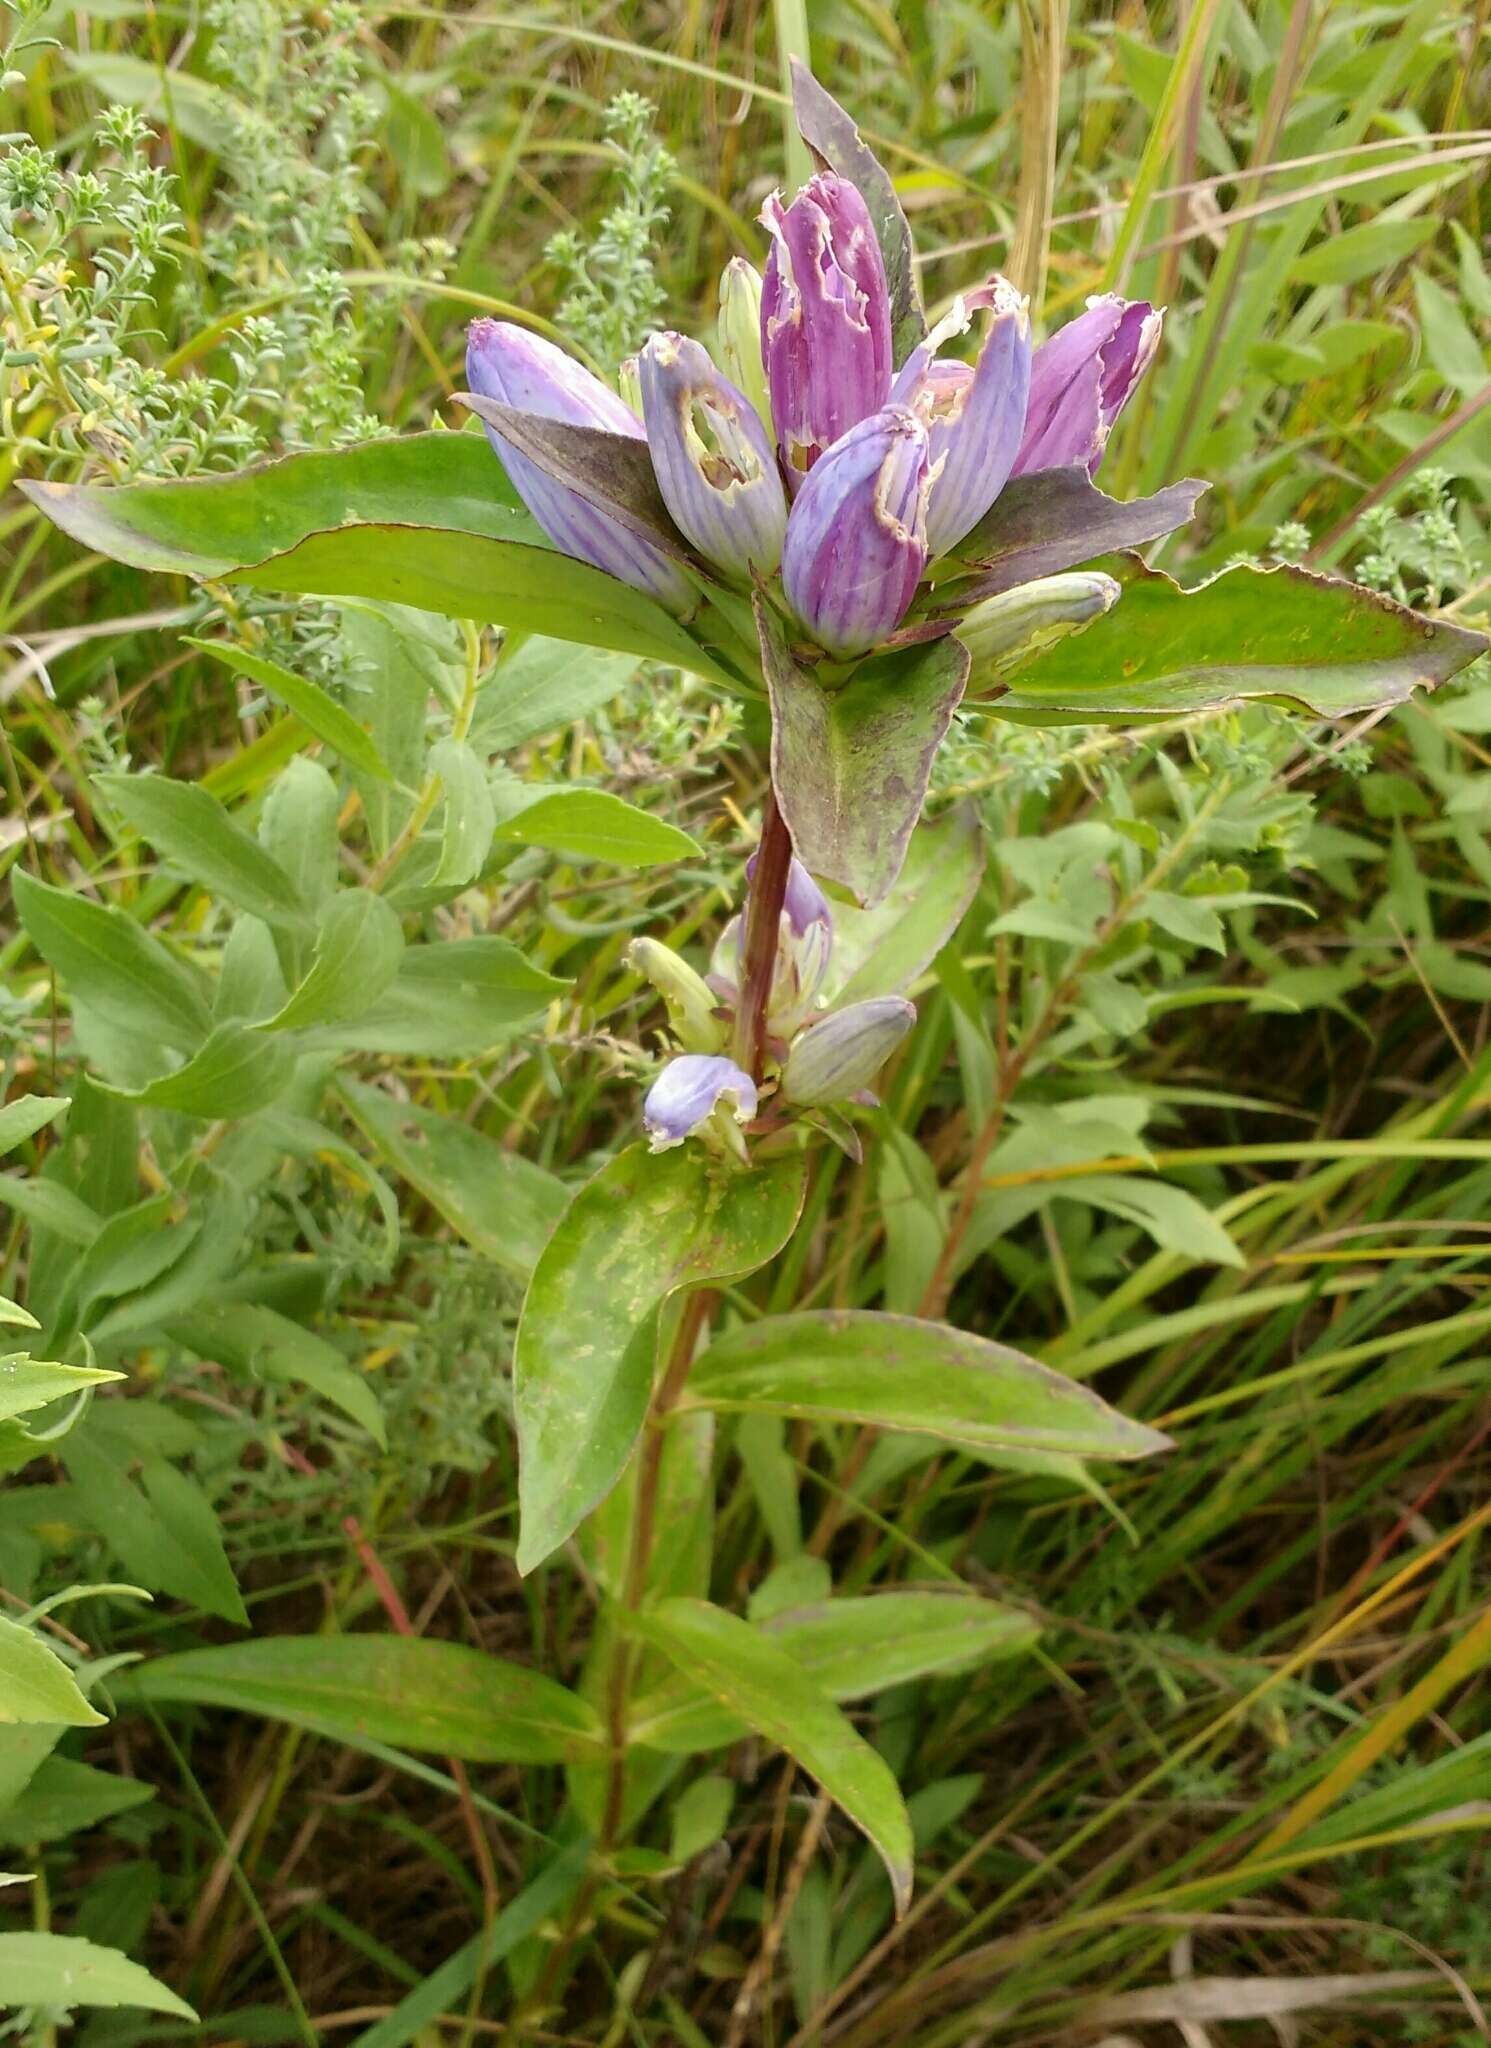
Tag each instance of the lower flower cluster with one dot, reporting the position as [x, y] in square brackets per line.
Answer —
[816, 1058]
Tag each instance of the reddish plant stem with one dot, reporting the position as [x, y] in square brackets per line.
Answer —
[758, 950]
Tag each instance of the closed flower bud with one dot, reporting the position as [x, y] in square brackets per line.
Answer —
[715, 467]
[857, 536]
[838, 1057]
[686, 1095]
[688, 997]
[1004, 632]
[1082, 378]
[825, 319]
[975, 415]
[629, 384]
[524, 371]
[738, 334]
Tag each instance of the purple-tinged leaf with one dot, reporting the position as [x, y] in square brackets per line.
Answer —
[613, 472]
[837, 144]
[1057, 519]
[851, 765]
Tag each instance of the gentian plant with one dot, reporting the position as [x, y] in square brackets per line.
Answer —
[861, 523]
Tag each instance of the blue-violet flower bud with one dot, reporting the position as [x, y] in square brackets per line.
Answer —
[1082, 378]
[684, 1097]
[974, 416]
[837, 1058]
[523, 370]
[857, 535]
[715, 467]
[825, 319]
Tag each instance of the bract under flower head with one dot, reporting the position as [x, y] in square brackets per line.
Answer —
[521, 369]
[825, 319]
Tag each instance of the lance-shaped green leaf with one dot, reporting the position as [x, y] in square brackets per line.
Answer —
[1051, 520]
[449, 1001]
[763, 1685]
[27, 1383]
[403, 1690]
[35, 1684]
[427, 520]
[852, 1365]
[837, 144]
[851, 1649]
[64, 1970]
[645, 1226]
[113, 965]
[210, 526]
[613, 472]
[850, 765]
[233, 1073]
[21, 1119]
[498, 1201]
[593, 824]
[316, 710]
[188, 825]
[1282, 634]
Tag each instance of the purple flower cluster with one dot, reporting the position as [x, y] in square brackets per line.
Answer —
[818, 1058]
[823, 462]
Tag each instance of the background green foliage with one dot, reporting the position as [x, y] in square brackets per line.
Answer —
[1217, 1017]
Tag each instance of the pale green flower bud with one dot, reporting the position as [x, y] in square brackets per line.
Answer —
[836, 1058]
[629, 384]
[1004, 632]
[739, 334]
[690, 1001]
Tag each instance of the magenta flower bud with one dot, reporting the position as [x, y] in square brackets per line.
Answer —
[684, 1097]
[974, 416]
[857, 536]
[1081, 380]
[825, 319]
[715, 466]
[837, 1058]
[524, 371]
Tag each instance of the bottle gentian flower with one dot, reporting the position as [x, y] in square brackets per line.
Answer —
[974, 415]
[686, 1094]
[506, 362]
[1081, 380]
[825, 319]
[857, 536]
[837, 1057]
[724, 492]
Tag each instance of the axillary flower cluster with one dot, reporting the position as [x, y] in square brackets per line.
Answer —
[818, 1058]
[800, 464]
